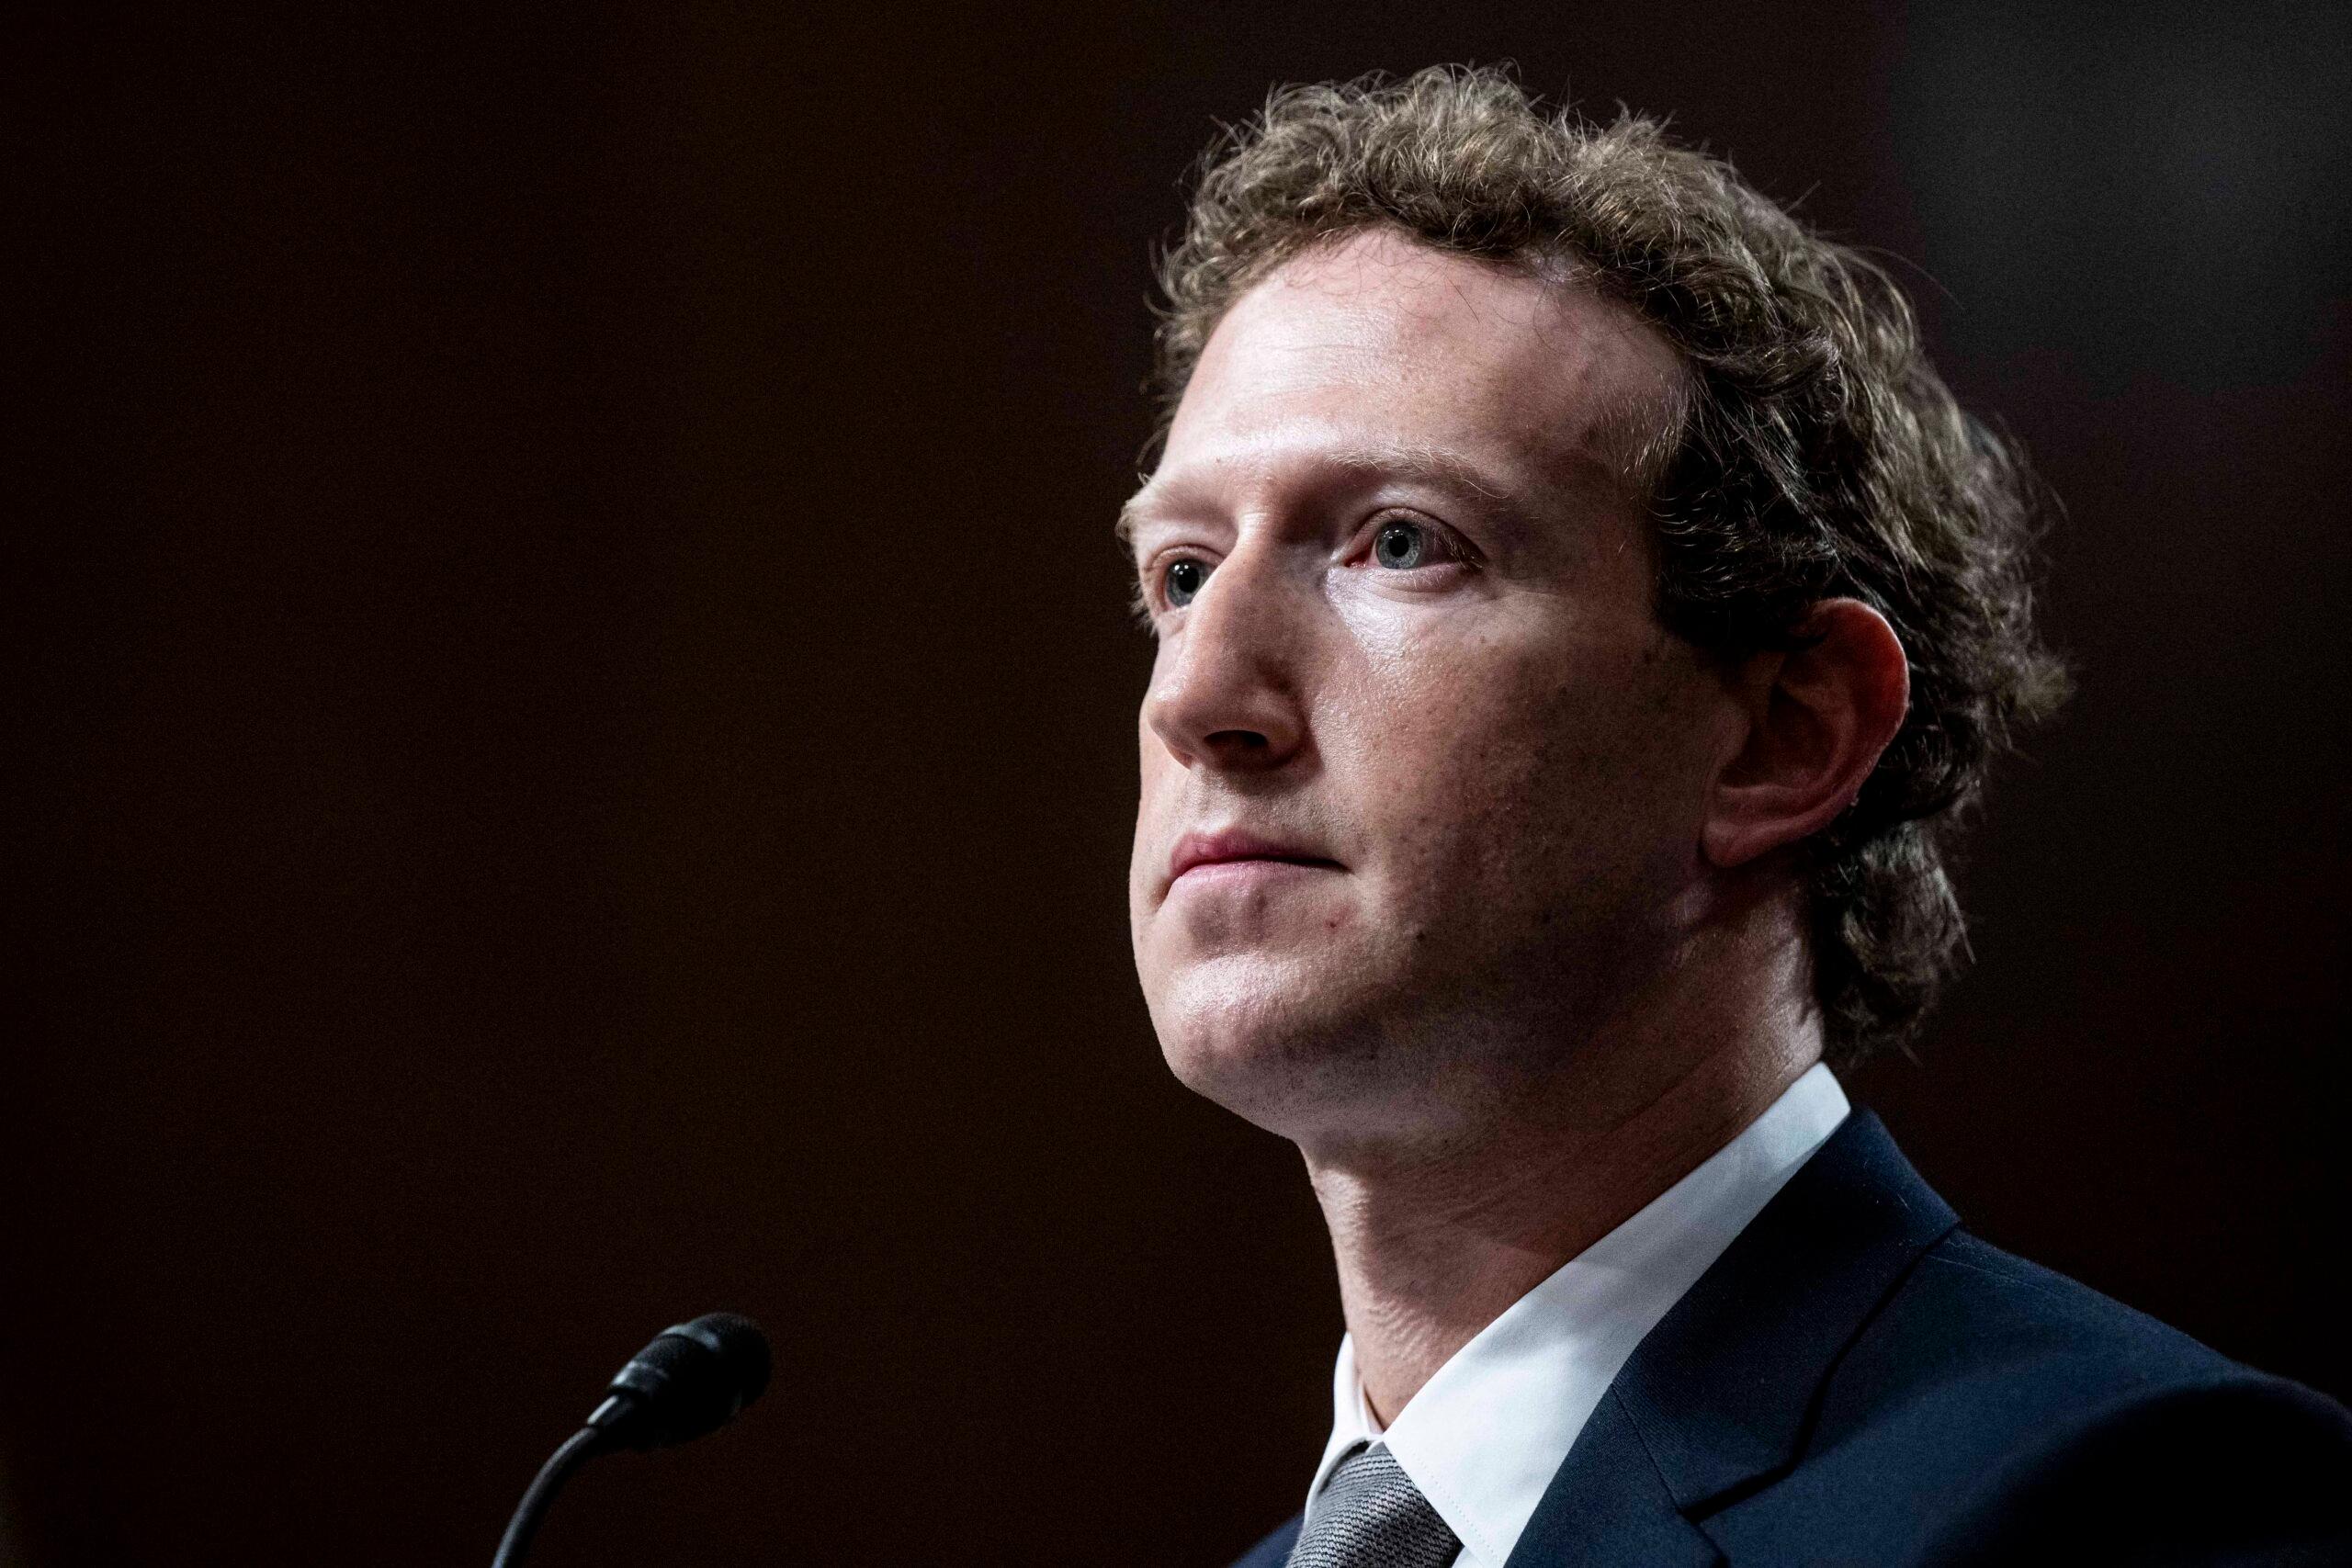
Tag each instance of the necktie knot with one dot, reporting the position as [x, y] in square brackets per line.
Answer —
[1370, 1515]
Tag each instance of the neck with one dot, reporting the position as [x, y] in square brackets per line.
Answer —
[1434, 1242]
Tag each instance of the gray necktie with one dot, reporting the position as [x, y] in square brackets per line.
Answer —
[1370, 1515]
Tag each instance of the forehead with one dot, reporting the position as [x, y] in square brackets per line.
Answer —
[1379, 343]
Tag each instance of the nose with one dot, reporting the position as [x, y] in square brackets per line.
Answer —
[1226, 694]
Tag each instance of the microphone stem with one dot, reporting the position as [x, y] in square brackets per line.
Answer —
[577, 1450]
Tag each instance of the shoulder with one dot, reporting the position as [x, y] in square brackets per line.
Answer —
[1992, 1409]
[1969, 1326]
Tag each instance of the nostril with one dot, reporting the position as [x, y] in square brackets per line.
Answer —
[1238, 740]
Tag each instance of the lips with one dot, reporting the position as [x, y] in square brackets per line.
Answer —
[1196, 850]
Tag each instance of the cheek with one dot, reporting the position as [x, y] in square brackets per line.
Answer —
[1503, 771]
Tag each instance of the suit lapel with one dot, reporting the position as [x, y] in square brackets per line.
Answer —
[1715, 1401]
[1609, 1506]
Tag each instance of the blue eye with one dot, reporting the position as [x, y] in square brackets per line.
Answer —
[1400, 547]
[1185, 582]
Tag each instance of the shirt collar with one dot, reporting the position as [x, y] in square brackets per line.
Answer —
[1485, 1436]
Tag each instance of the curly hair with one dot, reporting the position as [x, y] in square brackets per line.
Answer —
[1812, 451]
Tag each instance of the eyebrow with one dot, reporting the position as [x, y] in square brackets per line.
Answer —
[1419, 462]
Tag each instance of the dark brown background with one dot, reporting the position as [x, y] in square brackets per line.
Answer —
[576, 703]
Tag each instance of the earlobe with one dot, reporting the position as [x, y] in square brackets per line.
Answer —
[1818, 717]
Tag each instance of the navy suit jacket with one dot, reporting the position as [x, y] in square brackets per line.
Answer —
[1860, 1381]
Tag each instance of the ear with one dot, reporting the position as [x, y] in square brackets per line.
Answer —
[1817, 720]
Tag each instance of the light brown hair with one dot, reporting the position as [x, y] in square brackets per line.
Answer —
[1813, 452]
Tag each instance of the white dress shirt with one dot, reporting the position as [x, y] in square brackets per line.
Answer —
[1484, 1436]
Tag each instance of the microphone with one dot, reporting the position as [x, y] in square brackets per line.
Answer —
[694, 1379]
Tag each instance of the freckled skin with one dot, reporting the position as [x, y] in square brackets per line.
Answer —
[1509, 761]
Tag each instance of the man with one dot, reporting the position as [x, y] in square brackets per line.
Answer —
[1580, 610]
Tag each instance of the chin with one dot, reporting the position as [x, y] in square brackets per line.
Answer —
[1271, 1040]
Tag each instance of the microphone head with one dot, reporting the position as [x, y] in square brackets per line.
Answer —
[692, 1380]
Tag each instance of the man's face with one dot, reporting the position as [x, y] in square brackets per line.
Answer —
[1422, 775]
